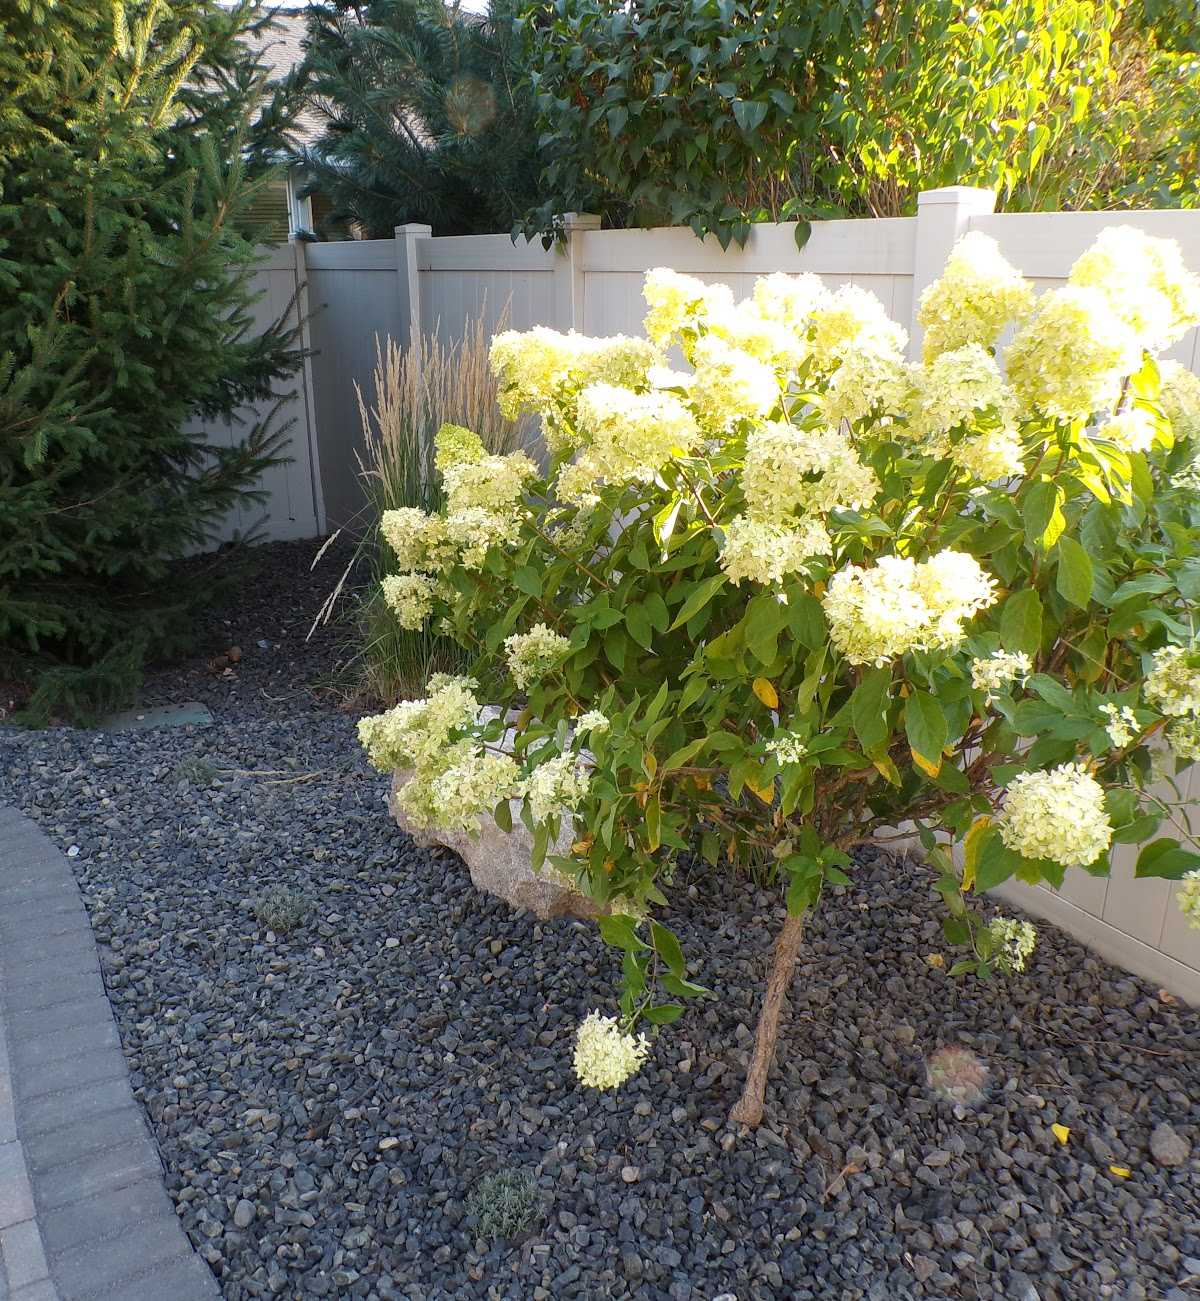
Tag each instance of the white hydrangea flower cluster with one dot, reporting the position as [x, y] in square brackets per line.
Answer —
[628, 437]
[541, 370]
[729, 385]
[1180, 398]
[976, 296]
[901, 605]
[1188, 898]
[994, 672]
[963, 388]
[1013, 943]
[605, 1055]
[593, 722]
[1072, 354]
[1122, 725]
[787, 747]
[763, 551]
[1173, 683]
[1132, 430]
[868, 383]
[679, 303]
[852, 322]
[781, 460]
[789, 300]
[533, 654]
[1058, 815]
[1145, 282]
[453, 780]
[556, 786]
[1183, 738]
[410, 597]
[420, 541]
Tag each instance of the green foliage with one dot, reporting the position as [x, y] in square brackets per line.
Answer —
[428, 119]
[132, 139]
[723, 113]
[504, 1204]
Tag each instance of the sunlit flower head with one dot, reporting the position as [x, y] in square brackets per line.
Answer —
[605, 1055]
[788, 469]
[730, 385]
[1013, 943]
[974, 298]
[1188, 898]
[677, 303]
[410, 598]
[1057, 815]
[1000, 669]
[853, 320]
[556, 786]
[789, 300]
[765, 552]
[533, 654]
[1173, 683]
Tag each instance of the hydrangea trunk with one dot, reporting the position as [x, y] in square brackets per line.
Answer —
[748, 1109]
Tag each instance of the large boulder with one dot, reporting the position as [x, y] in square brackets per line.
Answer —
[501, 862]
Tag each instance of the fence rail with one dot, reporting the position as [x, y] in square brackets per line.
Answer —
[358, 291]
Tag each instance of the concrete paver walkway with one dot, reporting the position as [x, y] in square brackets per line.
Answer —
[83, 1211]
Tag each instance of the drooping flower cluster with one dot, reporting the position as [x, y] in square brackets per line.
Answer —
[627, 437]
[900, 605]
[994, 672]
[849, 322]
[453, 780]
[1012, 943]
[1188, 898]
[1058, 815]
[605, 1055]
[762, 551]
[533, 654]
[1173, 684]
[541, 371]
[1132, 430]
[1145, 283]
[556, 786]
[810, 470]
[973, 300]
[868, 383]
[410, 597]
[729, 385]
[1070, 357]
[677, 303]
[420, 541]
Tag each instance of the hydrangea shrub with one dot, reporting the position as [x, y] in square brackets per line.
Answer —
[802, 590]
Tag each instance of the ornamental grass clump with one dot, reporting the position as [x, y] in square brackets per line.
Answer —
[807, 590]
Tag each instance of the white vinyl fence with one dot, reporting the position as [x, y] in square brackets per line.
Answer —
[292, 507]
[592, 283]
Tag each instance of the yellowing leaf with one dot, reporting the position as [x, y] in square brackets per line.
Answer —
[765, 793]
[936, 961]
[929, 768]
[1121, 1171]
[649, 763]
[887, 769]
[1060, 1132]
[971, 848]
[764, 690]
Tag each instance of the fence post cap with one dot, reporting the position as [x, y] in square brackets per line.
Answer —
[972, 196]
[413, 228]
[581, 220]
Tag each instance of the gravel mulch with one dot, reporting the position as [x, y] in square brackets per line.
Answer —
[326, 1099]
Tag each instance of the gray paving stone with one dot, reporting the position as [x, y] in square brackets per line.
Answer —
[48, 925]
[186, 1278]
[16, 1196]
[40, 1291]
[24, 1258]
[53, 988]
[75, 1107]
[140, 1251]
[97, 1172]
[94, 1067]
[105, 1215]
[40, 1022]
[72, 1041]
[69, 1143]
[59, 904]
[72, 950]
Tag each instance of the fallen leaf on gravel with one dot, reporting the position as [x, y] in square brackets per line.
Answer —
[1121, 1171]
[936, 960]
[1165, 996]
[1060, 1132]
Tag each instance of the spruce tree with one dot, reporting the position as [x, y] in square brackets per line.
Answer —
[133, 136]
[429, 116]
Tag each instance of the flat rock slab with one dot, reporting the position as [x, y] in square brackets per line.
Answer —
[83, 1211]
[140, 720]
